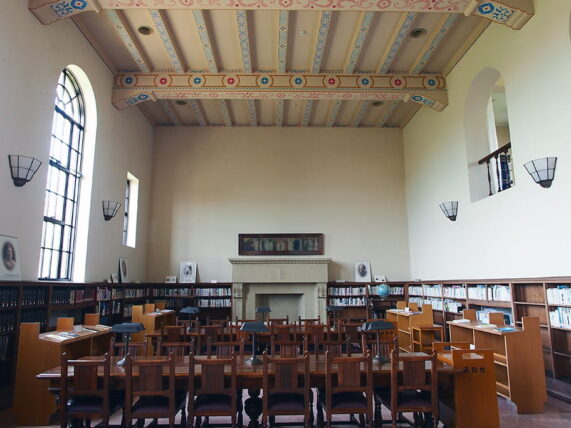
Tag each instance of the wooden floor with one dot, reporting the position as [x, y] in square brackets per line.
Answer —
[557, 414]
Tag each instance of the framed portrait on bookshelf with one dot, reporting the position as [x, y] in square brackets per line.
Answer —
[123, 270]
[362, 271]
[187, 272]
[10, 269]
[280, 244]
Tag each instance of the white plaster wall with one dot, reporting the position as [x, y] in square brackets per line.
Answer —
[209, 185]
[31, 58]
[524, 231]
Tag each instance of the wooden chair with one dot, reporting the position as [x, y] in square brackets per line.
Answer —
[347, 392]
[315, 334]
[217, 394]
[305, 321]
[410, 391]
[287, 348]
[242, 321]
[136, 349]
[279, 321]
[224, 349]
[333, 348]
[174, 334]
[89, 397]
[283, 393]
[177, 349]
[282, 333]
[350, 334]
[213, 333]
[385, 345]
[157, 397]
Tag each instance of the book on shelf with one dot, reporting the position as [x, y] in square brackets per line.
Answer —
[560, 317]
[453, 306]
[456, 291]
[432, 290]
[213, 292]
[560, 295]
[34, 296]
[437, 304]
[8, 297]
[347, 301]
[172, 292]
[484, 314]
[415, 290]
[479, 292]
[347, 291]
[214, 303]
[4, 344]
[417, 300]
[501, 293]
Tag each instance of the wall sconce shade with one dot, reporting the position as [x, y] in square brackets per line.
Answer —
[23, 168]
[542, 170]
[450, 209]
[110, 208]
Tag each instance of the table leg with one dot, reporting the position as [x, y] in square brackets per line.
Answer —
[253, 407]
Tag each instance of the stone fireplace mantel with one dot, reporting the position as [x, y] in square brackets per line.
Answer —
[256, 278]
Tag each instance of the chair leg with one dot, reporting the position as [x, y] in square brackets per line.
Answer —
[198, 422]
[140, 423]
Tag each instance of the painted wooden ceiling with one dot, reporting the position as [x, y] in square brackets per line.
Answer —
[318, 63]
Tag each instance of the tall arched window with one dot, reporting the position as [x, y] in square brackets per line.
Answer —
[64, 175]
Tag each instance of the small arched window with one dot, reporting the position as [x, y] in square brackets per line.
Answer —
[63, 185]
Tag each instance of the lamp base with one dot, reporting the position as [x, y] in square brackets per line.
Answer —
[379, 359]
[253, 360]
[121, 362]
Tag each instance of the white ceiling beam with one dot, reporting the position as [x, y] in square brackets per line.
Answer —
[358, 41]
[283, 28]
[513, 13]
[387, 114]
[122, 30]
[225, 112]
[164, 33]
[169, 110]
[195, 107]
[244, 39]
[358, 118]
[333, 113]
[401, 31]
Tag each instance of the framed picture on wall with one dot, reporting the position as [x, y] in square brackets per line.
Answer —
[123, 270]
[187, 272]
[362, 271]
[10, 269]
[280, 244]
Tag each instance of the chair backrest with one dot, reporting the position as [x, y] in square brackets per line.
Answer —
[279, 321]
[332, 348]
[305, 321]
[316, 333]
[284, 376]
[136, 349]
[287, 348]
[214, 378]
[239, 321]
[177, 349]
[174, 334]
[86, 381]
[401, 304]
[224, 349]
[413, 306]
[349, 331]
[383, 347]
[348, 371]
[282, 333]
[413, 374]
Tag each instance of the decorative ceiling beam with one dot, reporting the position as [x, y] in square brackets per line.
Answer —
[333, 114]
[133, 88]
[283, 27]
[404, 25]
[359, 41]
[167, 107]
[437, 36]
[360, 114]
[122, 30]
[319, 50]
[172, 51]
[197, 112]
[387, 114]
[280, 112]
[513, 13]
[225, 112]
[244, 39]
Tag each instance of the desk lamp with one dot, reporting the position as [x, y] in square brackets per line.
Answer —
[127, 328]
[263, 310]
[254, 327]
[190, 310]
[377, 326]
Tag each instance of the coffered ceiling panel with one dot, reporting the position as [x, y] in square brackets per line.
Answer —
[282, 63]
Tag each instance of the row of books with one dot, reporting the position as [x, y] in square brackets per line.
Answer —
[396, 290]
[8, 297]
[483, 315]
[453, 306]
[214, 303]
[7, 321]
[415, 290]
[347, 301]
[417, 300]
[437, 304]
[131, 293]
[500, 293]
[560, 295]
[176, 304]
[4, 342]
[213, 292]
[560, 317]
[347, 291]
[128, 311]
[174, 292]
[72, 296]
[34, 296]
[106, 293]
[111, 307]
[35, 315]
[432, 290]
[479, 292]
[457, 291]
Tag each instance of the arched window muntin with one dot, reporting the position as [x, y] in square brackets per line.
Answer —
[64, 176]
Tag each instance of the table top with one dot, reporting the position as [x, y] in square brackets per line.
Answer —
[488, 328]
[244, 370]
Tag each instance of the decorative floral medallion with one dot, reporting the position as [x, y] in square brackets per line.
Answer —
[331, 81]
[163, 80]
[230, 81]
[297, 81]
[365, 82]
[264, 81]
[196, 81]
[398, 82]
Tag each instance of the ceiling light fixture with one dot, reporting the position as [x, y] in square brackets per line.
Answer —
[303, 33]
[542, 170]
[145, 30]
[377, 103]
[450, 209]
[180, 102]
[110, 208]
[23, 168]
[417, 32]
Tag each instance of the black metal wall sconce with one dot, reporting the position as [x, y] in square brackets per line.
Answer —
[23, 168]
[110, 208]
[542, 170]
[450, 209]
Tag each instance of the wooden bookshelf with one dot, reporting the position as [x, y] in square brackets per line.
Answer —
[528, 298]
[360, 299]
[406, 321]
